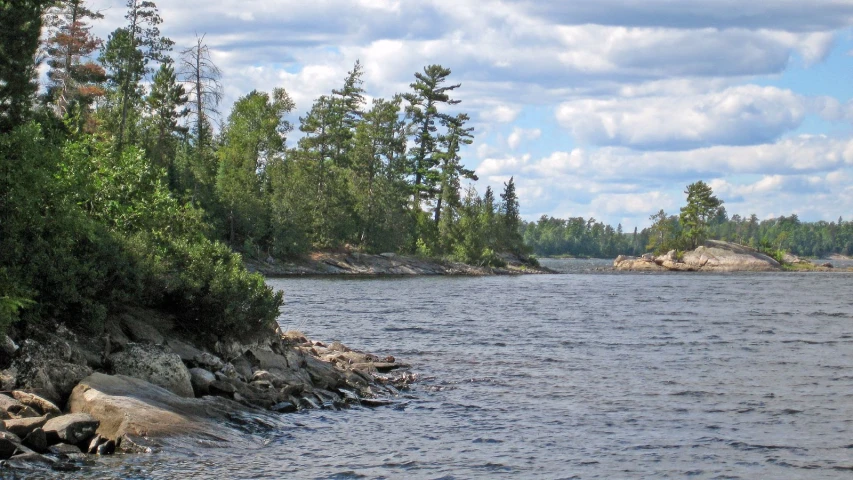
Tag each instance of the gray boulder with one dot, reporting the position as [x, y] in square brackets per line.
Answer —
[9, 445]
[8, 348]
[51, 367]
[201, 380]
[12, 408]
[24, 426]
[716, 256]
[37, 440]
[65, 450]
[34, 401]
[208, 361]
[130, 407]
[72, 428]
[8, 379]
[153, 364]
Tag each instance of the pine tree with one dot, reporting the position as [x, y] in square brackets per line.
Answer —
[347, 105]
[166, 106]
[450, 165]
[128, 52]
[378, 165]
[74, 78]
[701, 207]
[253, 137]
[663, 234]
[423, 112]
[20, 27]
[511, 217]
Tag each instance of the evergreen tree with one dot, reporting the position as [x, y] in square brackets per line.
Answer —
[450, 165]
[347, 104]
[511, 235]
[701, 207]
[20, 27]
[663, 235]
[74, 78]
[166, 106]
[379, 183]
[127, 54]
[254, 136]
[424, 115]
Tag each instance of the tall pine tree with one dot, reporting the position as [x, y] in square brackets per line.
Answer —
[74, 77]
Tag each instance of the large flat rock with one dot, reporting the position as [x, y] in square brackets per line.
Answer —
[130, 406]
[713, 256]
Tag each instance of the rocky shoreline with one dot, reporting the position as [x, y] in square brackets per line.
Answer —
[356, 263]
[715, 256]
[143, 386]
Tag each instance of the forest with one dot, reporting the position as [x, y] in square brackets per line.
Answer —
[703, 217]
[121, 181]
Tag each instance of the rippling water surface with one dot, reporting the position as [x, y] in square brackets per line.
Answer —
[582, 375]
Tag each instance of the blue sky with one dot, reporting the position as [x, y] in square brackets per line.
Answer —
[598, 108]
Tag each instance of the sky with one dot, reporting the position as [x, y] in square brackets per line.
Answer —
[597, 108]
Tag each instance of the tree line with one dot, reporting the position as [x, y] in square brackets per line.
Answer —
[703, 217]
[116, 186]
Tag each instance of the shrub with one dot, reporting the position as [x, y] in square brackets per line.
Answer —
[209, 289]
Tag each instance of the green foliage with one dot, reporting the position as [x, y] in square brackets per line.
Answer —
[166, 107]
[9, 308]
[86, 232]
[422, 249]
[665, 234]
[126, 57]
[701, 207]
[209, 289]
[582, 237]
[253, 137]
[20, 27]
[509, 237]
[429, 92]
[814, 239]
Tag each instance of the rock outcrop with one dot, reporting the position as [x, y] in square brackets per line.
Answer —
[153, 364]
[356, 263]
[30, 430]
[142, 383]
[130, 406]
[713, 256]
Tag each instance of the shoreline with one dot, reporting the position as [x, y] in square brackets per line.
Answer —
[145, 386]
[385, 264]
[720, 256]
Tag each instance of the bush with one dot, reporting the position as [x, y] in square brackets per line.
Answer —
[489, 258]
[209, 289]
[84, 232]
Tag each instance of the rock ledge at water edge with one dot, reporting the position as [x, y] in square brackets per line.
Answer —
[713, 256]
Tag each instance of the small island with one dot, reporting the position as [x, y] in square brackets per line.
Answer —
[717, 256]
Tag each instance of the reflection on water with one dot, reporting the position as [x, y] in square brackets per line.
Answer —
[569, 376]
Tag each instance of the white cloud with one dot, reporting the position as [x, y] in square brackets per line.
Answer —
[485, 150]
[741, 115]
[506, 48]
[520, 135]
[756, 14]
[642, 204]
[800, 155]
[500, 113]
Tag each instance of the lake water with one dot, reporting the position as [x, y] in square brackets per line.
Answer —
[591, 374]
